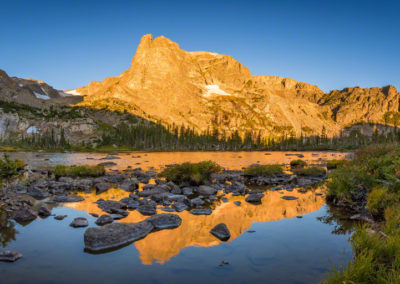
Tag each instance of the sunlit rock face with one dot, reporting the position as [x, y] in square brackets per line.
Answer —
[195, 230]
[214, 89]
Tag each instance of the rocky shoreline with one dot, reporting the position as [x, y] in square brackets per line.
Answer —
[147, 194]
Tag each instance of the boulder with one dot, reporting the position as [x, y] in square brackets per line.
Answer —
[44, 212]
[165, 221]
[180, 206]
[25, 214]
[104, 219]
[101, 187]
[206, 190]
[79, 222]
[254, 198]
[147, 209]
[221, 232]
[112, 206]
[114, 235]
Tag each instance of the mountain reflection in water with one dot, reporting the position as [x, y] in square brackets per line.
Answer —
[161, 246]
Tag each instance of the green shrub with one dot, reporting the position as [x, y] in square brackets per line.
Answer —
[79, 171]
[334, 164]
[263, 170]
[377, 200]
[298, 164]
[9, 168]
[311, 171]
[192, 173]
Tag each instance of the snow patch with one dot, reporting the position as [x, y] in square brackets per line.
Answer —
[32, 130]
[64, 94]
[21, 85]
[73, 92]
[44, 91]
[42, 97]
[214, 89]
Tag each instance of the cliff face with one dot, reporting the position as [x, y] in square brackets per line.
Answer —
[208, 90]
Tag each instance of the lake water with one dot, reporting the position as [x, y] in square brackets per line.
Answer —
[269, 242]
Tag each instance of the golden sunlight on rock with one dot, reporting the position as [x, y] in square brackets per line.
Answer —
[195, 230]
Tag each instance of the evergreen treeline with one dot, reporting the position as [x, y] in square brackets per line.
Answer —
[155, 137]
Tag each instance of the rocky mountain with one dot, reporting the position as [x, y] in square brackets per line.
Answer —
[204, 91]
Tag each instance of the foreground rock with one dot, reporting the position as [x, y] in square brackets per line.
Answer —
[44, 212]
[65, 199]
[221, 232]
[25, 214]
[115, 234]
[79, 222]
[9, 256]
[201, 211]
[165, 221]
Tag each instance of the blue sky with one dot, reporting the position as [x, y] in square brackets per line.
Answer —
[333, 44]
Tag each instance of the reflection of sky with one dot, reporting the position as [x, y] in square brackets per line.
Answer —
[281, 251]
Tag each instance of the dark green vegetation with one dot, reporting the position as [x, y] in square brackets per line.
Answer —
[310, 171]
[9, 168]
[334, 164]
[135, 133]
[371, 181]
[263, 170]
[298, 164]
[79, 171]
[191, 173]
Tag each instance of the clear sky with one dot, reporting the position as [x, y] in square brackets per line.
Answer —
[333, 44]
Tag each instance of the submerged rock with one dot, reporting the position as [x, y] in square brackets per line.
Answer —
[221, 232]
[9, 256]
[165, 221]
[107, 164]
[60, 217]
[289, 197]
[114, 235]
[79, 222]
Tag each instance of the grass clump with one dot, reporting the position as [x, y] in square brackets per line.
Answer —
[192, 173]
[79, 171]
[334, 164]
[9, 168]
[378, 200]
[263, 170]
[298, 164]
[310, 172]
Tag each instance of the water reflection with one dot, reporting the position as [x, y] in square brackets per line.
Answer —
[157, 160]
[194, 231]
[338, 218]
[7, 230]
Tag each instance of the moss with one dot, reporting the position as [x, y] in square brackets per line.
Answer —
[79, 171]
[192, 173]
[298, 164]
[311, 171]
[263, 170]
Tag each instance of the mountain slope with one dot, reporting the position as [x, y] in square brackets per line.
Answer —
[206, 90]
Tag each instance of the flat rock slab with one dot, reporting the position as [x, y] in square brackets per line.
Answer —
[201, 211]
[60, 217]
[107, 164]
[221, 232]
[289, 197]
[79, 222]
[65, 199]
[114, 235]
[147, 209]
[165, 221]
[9, 256]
